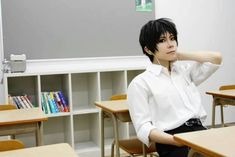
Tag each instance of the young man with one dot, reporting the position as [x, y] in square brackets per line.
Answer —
[164, 99]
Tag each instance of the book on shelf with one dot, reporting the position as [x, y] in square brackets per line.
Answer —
[54, 102]
[52, 99]
[17, 103]
[26, 97]
[20, 101]
[47, 106]
[64, 101]
[58, 102]
[24, 101]
[52, 107]
[44, 106]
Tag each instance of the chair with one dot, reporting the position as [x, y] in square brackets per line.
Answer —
[6, 145]
[8, 107]
[134, 147]
[222, 104]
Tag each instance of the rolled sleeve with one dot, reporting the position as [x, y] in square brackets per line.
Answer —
[201, 71]
[144, 131]
[140, 111]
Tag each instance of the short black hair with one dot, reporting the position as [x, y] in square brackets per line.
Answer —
[151, 32]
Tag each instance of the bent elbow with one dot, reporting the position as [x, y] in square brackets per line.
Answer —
[217, 59]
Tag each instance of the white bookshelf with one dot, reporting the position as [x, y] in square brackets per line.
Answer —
[82, 81]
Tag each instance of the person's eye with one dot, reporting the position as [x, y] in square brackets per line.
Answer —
[162, 40]
[172, 38]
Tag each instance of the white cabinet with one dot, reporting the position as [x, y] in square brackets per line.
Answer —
[82, 86]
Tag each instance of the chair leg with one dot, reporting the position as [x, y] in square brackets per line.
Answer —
[13, 136]
[112, 149]
[222, 115]
[213, 115]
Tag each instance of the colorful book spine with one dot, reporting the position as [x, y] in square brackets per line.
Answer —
[52, 107]
[17, 102]
[58, 102]
[44, 106]
[54, 102]
[64, 101]
[46, 102]
[21, 102]
[10, 100]
[28, 101]
[25, 102]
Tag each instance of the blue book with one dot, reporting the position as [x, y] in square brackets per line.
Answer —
[54, 102]
[50, 102]
[64, 101]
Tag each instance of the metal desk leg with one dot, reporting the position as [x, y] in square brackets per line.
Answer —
[144, 150]
[39, 134]
[102, 133]
[213, 113]
[115, 124]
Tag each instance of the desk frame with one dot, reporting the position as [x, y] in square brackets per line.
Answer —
[23, 126]
[218, 142]
[221, 98]
[118, 110]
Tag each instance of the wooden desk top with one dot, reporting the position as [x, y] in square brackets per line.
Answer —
[223, 93]
[213, 142]
[8, 117]
[113, 106]
[54, 150]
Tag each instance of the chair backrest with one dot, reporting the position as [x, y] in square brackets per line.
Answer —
[7, 107]
[122, 117]
[227, 87]
[6, 145]
[118, 97]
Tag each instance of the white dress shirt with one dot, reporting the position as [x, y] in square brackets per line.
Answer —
[158, 100]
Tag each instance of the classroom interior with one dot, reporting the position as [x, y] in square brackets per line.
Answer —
[94, 72]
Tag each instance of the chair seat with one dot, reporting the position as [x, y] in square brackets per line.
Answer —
[11, 145]
[135, 146]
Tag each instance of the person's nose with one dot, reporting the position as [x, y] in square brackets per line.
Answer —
[170, 43]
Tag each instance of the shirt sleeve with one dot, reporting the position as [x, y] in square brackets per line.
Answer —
[199, 72]
[140, 111]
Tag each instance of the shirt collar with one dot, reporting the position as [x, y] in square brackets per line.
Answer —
[157, 69]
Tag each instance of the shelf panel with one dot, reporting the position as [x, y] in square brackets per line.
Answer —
[87, 146]
[59, 114]
[85, 110]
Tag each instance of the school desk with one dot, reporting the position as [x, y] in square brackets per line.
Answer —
[221, 97]
[20, 121]
[54, 150]
[118, 109]
[217, 142]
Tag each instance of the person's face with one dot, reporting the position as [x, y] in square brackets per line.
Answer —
[167, 48]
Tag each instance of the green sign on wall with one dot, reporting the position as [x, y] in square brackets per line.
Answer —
[143, 5]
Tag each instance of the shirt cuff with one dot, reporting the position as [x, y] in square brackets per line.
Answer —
[144, 131]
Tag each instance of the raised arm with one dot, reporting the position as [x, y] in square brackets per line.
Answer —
[201, 56]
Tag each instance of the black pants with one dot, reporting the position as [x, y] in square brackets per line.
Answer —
[165, 150]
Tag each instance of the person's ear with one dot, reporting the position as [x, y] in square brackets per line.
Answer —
[148, 51]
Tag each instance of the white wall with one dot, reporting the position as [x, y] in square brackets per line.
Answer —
[1, 56]
[205, 25]
[202, 25]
